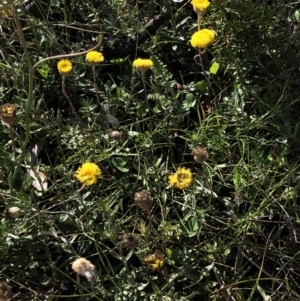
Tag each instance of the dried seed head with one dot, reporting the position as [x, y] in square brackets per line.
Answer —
[144, 200]
[129, 241]
[5, 292]
[83, 267]
[14, 212]
[200, 154]
[116, 135]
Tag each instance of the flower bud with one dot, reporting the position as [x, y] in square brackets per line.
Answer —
[14, 212]
[116, 135]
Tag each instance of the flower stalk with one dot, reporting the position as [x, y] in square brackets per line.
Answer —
[30, 89]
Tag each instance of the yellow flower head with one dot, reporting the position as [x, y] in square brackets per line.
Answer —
[200, 6]
[182, 179]
[88, 173]
[64, 67]
[8, 113]
[94, 57]
[5, 11]
[142, 64]
[157, 264]
[155, 261]
[203, 38]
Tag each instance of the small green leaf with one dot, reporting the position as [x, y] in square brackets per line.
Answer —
[214, 68]
[201, 86]
[43, 71]
[205, 271]
[189, 101]
[120, 163]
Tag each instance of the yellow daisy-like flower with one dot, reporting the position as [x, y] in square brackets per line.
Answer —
[142, 64]
[203, 38]
[182, 179]
[88, 173]
[94, 57]
[64, 67]
[200, 6]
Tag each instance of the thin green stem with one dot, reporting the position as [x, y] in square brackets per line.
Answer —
[30, 88]
[95, 83]
[69, 100]
[97, 95]
[205, 75]
[199, 20]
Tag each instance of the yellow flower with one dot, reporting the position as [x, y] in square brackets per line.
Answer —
[8, 113]
[203, 38]
[88, 173]
[155, 261]
[157, 264]
[200, 6]
[64, 67]
[142, 64]
[182, 179]
[94, 57]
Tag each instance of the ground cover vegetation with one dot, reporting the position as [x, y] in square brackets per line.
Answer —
[149, 150]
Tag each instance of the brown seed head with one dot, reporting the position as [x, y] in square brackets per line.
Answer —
[129, 241]
[144, 200]
[200, 154]
[5, 292]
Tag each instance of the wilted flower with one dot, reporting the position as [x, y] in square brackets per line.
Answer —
[5, 292]
[85, 268]
[5, 11]
[200, 154]
[200, 6]
[94, 57]
[142, 64]
[14, 212]
[155, 261]
[88, 173]
[8, 113]
[203, 38]
[129, 241]
[64, 67]
[144, 199]
[182, 179]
